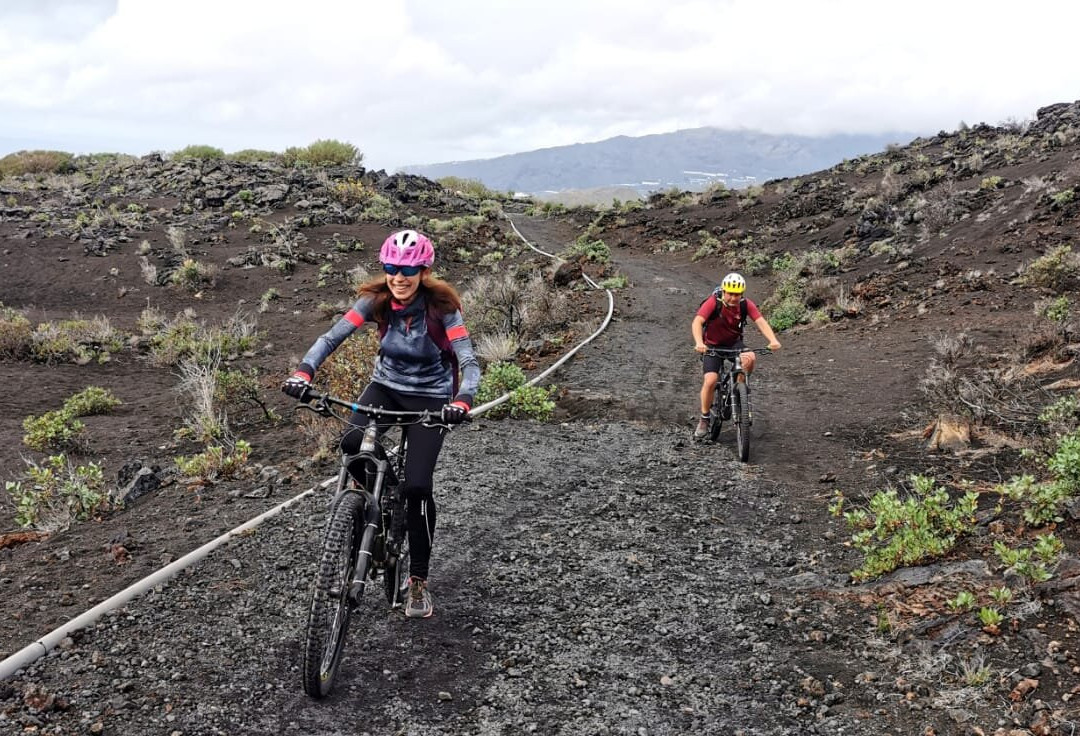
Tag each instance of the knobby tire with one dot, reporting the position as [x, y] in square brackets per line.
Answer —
[740, 413]
[328, 617]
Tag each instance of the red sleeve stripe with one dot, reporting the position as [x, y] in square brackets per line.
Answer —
[455, 333]
[354, 317]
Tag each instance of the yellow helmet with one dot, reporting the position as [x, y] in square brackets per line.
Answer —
[734, 283]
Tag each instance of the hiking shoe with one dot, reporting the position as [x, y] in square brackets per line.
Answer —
[418, 604]
[702, 428]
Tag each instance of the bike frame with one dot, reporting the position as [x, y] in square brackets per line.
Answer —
[726, 404]
[376, 467]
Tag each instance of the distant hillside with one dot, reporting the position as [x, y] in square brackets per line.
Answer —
[687, 159]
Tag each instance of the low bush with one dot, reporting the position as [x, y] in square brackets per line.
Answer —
[16, 341]
[1056, 269]
[892, 531]
[200, 152]
[76, 340]
[36, 162]
[50, 495]
[57, 430]
[594, 250]
[323, 153]
[469, 187]
[216, 462]
[254, 155]
[525, 401]
[60, 429]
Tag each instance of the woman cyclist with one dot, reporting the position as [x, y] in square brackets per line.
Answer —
[719, 324]
[412, 372]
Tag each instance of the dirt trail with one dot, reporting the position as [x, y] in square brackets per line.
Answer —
[639, 589]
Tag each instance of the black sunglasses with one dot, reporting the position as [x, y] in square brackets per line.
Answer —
[393, 270]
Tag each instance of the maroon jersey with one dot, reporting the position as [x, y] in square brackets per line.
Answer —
[722, 329]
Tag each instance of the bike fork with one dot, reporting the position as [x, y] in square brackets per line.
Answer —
[364, 559]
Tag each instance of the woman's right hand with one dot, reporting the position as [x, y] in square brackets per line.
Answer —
[296, 386]
[700, 347]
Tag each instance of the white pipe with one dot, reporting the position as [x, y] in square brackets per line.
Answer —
[47, 643]
[611, 310]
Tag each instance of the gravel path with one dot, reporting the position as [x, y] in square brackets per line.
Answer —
[603, 576]
[587, 581]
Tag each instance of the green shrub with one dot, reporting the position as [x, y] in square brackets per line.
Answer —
[596, 250]
[254, 155]
[469, 187]
[1053, 270]
[172, 342]
[323, 153]
[76, 340]
[16, 334]
[499, 379]
[90, 401]
[618, 281]
[235, 388]
[991, 182]
[215, 462]
[524, 402]
[193, 275]
[36, 162]
[790, 311]
[1062, 198]
[378, 209]
[54, 430]
[1065, 462]
[893, 531]
[60, 429]
[50, 495]
[200, 152]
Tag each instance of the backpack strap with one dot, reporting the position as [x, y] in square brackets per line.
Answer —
[717, 293]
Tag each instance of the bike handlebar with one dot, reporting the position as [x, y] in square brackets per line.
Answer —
[731, 352]
[320, 404]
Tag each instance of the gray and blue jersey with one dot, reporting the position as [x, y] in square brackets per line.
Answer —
[409, 361]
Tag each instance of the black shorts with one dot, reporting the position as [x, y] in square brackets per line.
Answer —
[711, 363]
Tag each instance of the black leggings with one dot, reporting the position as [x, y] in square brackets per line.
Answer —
[424, 446]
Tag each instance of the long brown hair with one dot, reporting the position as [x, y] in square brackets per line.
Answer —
[439, 294]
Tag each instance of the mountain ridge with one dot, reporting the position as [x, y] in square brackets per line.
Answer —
[689, 159]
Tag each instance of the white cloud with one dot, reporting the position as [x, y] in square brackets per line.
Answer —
[410, 81]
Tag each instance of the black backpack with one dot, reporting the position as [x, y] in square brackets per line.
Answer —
[717, 292]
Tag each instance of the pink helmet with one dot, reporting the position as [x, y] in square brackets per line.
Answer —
[407, 248]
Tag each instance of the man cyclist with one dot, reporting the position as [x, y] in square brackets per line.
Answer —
[719, 324]
[422, 342]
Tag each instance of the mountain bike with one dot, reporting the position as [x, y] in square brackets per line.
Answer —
[365, 535]
[732, 398]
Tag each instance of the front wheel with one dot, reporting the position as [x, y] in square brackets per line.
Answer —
[716, 416]
[328, 617]
[740, 411]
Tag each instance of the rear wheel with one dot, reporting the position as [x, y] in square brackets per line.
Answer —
[740, 413]
[396, 575]
[328, 617]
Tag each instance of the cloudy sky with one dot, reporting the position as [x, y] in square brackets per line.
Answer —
[426, 81]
